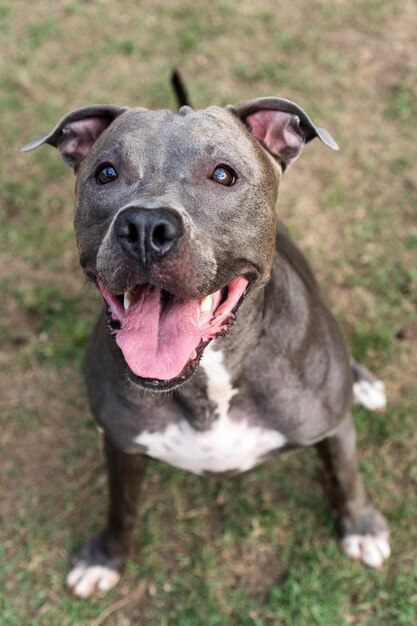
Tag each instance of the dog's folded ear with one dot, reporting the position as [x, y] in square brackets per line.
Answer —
[76, 133]
[281, 126]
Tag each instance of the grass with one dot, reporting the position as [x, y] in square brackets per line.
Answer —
[259, 550]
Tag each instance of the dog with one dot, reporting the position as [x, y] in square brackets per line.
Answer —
[215, 350]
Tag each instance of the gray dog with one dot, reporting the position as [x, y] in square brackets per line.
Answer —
[176, 224]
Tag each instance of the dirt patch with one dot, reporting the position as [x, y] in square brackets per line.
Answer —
[38, 427]
[250, 565]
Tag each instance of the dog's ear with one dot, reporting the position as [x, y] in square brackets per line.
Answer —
[76, 133]
[281, 127]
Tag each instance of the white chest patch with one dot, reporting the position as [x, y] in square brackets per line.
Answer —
[227, 446]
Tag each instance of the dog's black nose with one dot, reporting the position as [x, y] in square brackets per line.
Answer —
[148, 234]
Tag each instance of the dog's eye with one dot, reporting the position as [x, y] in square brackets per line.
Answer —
[224, 176]
[105, 174]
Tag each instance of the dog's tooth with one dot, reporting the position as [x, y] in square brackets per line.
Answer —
[127, 299]
[206, 304]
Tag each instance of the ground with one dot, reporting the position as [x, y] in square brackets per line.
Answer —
[259, 550]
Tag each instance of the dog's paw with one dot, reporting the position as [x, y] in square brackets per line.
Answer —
[85, 579]
[94, 569]
[370, 394]
[373, 550]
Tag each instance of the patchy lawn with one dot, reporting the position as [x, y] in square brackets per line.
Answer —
[258, 550]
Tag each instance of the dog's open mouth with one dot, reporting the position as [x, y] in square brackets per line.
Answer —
[161, 335]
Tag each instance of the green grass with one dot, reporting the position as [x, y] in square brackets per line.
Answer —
[259, 550]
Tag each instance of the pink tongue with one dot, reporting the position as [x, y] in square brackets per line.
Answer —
[157, 342]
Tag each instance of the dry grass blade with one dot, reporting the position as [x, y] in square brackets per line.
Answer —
[116, 606]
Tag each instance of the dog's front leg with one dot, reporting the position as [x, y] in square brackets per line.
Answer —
[97, 567]
[364, 530]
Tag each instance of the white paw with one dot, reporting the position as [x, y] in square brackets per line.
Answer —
[370, 394]
[83, 580]
[373, 550]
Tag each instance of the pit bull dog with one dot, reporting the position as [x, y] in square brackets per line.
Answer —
[206, 297]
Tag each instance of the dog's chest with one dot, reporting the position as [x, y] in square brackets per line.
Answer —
[229, 445]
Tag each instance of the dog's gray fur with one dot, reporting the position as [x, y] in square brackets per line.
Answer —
[285, 356]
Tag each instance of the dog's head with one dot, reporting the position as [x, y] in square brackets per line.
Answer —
[175, 218]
